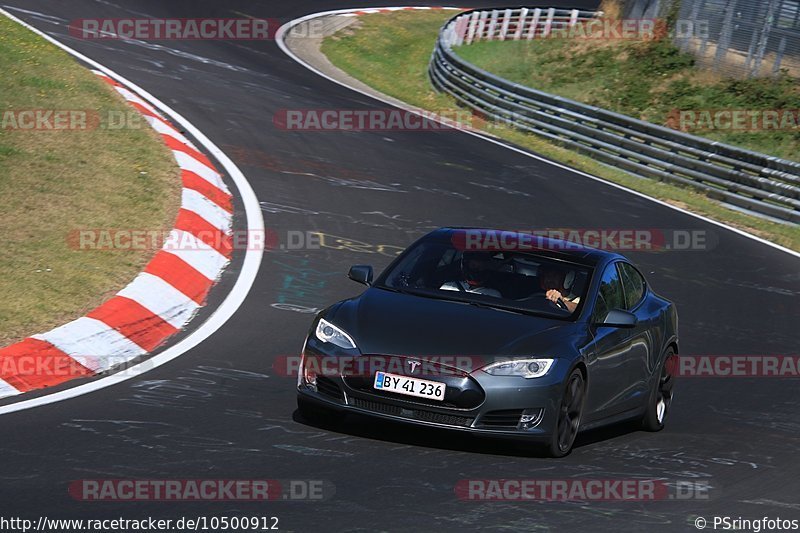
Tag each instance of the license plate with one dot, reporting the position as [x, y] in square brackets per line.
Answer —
[421, 388]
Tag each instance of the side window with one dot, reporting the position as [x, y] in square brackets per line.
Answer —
[634, 285]
[610, 296]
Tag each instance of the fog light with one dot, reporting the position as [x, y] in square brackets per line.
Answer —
[530, 418]
[308, 372]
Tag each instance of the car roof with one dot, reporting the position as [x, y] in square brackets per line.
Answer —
[557, 248]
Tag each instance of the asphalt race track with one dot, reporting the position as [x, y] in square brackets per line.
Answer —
[221, 411]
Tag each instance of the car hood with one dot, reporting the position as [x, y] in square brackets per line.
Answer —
[390, 323]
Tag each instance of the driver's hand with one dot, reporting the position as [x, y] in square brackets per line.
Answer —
[553, 295]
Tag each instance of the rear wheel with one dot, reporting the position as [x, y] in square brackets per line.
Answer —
[660, 399]
[569, 415]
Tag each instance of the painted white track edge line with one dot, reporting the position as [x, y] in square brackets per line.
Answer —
[284, 29]
[234, 299]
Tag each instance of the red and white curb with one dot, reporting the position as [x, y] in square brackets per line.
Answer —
[404, 8]
[159, 302]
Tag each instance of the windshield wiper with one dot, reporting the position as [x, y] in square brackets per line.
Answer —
[502, 307]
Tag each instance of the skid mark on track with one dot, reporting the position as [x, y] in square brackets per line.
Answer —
[163, 438]
[773, 503]
[351, 183]
[436, 190]
[373, 219]
[198, 386]
[121, 8]
[676, 464]
[771, 420]
[335, 174]
[305, 450]
[500, 188]
[50, 19]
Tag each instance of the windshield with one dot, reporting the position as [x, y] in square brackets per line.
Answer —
[518, 281]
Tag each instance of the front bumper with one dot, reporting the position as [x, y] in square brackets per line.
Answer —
[496, 413]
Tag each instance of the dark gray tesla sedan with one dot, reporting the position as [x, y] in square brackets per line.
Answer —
[497, 333]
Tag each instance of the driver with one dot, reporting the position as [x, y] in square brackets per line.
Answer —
[556, 286]
[475, 268]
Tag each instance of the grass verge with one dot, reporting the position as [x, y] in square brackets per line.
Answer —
[390, 52]
[53, 183]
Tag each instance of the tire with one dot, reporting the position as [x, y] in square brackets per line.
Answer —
[661, 394]
[317, 415]
[569, 415]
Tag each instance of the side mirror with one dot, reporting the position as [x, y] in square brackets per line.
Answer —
[361, 274]
[617, 318]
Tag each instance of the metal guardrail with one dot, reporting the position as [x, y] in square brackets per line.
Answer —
[753, 181]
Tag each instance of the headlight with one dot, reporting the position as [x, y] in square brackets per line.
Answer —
[327, 332]
[526, 368]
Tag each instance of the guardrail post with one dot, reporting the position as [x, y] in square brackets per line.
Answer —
[481, 25]
[473, 20]
[492, 26]
[504, 27]
[537, 13]
[724, 40]
[776, 68]
[523, 14]
[461, 29]
[573, 18]
[548, 25]
[769, 22]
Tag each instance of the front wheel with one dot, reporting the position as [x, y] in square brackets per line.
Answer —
[660, 399]
[569, 416]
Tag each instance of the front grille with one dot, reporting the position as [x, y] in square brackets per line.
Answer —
[377, 406]
[439, 418]
[462, 391]
[501, 419]
[330, 388]
[414, 414]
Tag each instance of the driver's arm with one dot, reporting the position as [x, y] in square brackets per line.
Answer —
[553, 295]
